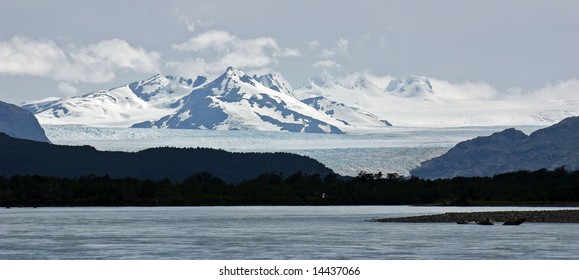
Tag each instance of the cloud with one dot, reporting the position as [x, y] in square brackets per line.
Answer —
[99, 62]
[312, 45]
[564, 91]
[567, 90]
[465, 90]
[92, 63]
[340, 48]
[189, 23]
[287, 52]
[24, 56]
[327, 64]
[219, 49]
[67, 88]
[214, 39]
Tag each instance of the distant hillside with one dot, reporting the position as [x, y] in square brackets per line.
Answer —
[20, 123]
[509, 150]
[24, 157]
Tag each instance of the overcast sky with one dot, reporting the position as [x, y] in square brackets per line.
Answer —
[71, 47]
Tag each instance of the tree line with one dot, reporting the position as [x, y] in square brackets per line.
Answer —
[203, 189]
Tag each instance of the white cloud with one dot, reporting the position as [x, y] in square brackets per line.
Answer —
[99, 62]
[213, 39]
[67, 88]
[562, 90]
[465, 90]
[312, 45]
[340, 48]
[287, 52]
[24, 56]
[92, 63]
[327, 64]
[189, 23]
[226, 50]
[382, 42]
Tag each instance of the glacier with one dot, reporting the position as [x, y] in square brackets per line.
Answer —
[391, 150]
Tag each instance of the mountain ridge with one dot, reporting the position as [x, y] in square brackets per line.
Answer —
[507, 151]
[414, 101]
[232, 101]
[20, 123]
[27, 157]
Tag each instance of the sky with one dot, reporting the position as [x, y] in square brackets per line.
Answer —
[69, 47]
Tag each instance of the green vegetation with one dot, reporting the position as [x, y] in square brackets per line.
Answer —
[523, 187]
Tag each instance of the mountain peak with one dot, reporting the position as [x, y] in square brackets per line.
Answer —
[276, 82]
[411, 86]
[362, 82]
[232, 72]
[323, 79]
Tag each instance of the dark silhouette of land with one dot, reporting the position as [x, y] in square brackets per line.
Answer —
[508, 151]
[25, 157]
[541, 187]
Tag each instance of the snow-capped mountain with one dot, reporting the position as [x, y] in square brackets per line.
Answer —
[234, 100]
[117, 107]
[412, 86]
[322, 92]
[322, 80]
[276, 82]
[363, 83]
[349, 116]
[237, 101]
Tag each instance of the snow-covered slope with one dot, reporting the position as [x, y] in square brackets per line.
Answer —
[117, 107]
[237, 101]
[276, 82]
[322, 91]
[323, 80]
[322, 104]
[363, 83]
[418, 101]
[349, 116]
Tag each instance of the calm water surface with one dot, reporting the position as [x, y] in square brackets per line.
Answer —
[270, 233]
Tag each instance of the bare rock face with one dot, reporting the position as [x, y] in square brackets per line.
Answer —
[508, 151]
[19, 123]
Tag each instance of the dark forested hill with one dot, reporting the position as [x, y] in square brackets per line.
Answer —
[24, 157]
[507, 151]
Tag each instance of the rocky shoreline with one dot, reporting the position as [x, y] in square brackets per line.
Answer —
[546, 216]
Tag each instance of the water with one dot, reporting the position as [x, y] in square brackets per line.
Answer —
[389, 150]
[300, 232]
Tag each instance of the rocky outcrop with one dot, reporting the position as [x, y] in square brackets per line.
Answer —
[19, 123]
[549, 216]
[507, 151]
[515, 222]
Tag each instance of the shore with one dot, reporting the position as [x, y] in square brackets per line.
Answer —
[546, 216]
